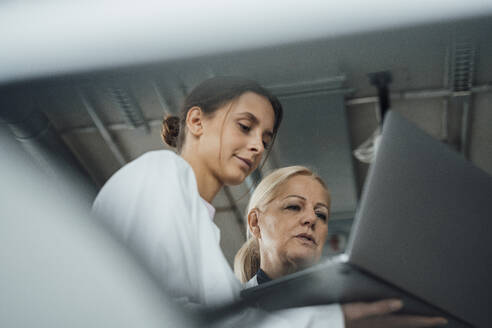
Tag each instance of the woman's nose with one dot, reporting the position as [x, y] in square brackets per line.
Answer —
[309, 219]
[256, 144]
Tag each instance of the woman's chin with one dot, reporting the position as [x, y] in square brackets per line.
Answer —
[304, 259]
[234, 178]
[232, 182]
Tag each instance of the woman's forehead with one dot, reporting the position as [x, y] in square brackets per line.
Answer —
[307, 187]
[255, 107]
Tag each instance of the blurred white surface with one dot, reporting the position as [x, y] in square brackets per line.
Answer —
[60, 268]
[55, 37]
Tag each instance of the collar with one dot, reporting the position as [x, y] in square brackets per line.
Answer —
[262, 277]
[210, 208]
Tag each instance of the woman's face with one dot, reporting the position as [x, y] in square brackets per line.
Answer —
[294, 226]
[236, 136]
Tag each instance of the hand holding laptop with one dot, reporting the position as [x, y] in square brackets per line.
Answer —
[381, 314]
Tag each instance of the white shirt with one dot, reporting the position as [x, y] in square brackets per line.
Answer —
[210, 208]
[153, 205]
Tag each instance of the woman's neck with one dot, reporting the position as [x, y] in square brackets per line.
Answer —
[208, 185]
[275, 268]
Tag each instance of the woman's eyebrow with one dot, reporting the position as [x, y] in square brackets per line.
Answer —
[323, 205]
[296, 196]
[303, 198]
[250, 116]
[255, 120]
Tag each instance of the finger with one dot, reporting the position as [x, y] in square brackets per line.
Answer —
[355, 311]
[408, 321]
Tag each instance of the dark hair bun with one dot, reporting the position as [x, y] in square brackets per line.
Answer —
[170, 130]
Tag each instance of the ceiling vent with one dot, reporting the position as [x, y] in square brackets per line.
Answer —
[129, 108]
[463, 62]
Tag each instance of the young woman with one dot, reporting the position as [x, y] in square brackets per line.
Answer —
[159, 204]
[288, 220]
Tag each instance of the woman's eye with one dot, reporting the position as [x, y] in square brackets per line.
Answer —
[293, 207]
[244, 128]
[322, 216]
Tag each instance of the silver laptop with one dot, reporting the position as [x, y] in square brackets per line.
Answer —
[422, 233]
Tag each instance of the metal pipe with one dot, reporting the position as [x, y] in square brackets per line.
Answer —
[444, 120]
[109, 127]
[326, 84]
[465, 126]
[445, 100]
[315, 92]
[421, 94]
[361, 101]
[102, 129]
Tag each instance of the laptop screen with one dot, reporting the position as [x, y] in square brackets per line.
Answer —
[424, 222]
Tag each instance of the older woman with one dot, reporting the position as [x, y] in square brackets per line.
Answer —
[289, 225]
[288, 222]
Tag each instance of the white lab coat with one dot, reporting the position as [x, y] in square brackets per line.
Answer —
[153, 205]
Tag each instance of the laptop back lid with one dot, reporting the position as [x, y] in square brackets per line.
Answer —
[424, 223]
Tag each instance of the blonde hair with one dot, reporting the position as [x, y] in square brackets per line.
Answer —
[247, 259]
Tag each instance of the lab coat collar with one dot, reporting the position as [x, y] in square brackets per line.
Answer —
[210, 208]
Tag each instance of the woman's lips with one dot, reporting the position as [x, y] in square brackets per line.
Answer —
[246, 162]
[307, 239]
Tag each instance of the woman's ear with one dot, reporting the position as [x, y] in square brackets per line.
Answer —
[253, 222]
[194, 121]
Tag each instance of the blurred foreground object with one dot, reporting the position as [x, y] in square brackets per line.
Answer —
[156, 31]
[59, 267]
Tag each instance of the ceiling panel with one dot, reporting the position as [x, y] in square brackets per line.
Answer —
[94, 155]
[315, 133]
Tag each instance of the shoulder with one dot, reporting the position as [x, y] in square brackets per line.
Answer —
[153, 165]
[148, 197]
[159, 155]
[165, 162]
[159, 172]
[156, 158]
